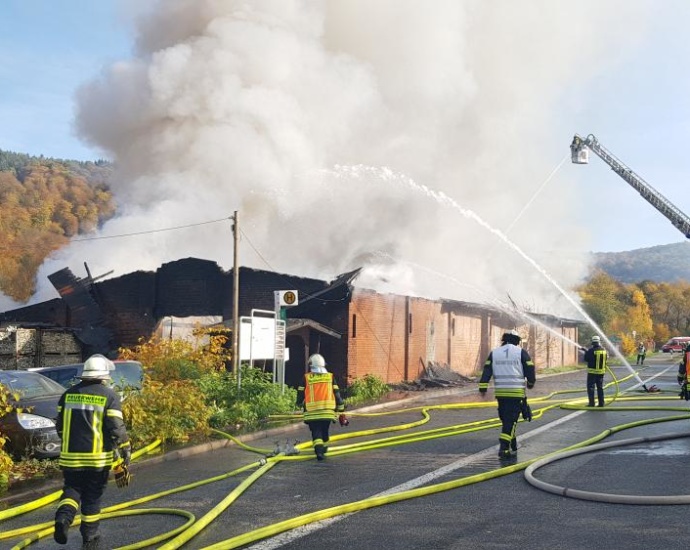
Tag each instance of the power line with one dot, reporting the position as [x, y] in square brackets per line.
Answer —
[135, 234]
[149, 231]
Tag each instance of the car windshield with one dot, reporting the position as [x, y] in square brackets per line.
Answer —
[29, 384]
[127, 374]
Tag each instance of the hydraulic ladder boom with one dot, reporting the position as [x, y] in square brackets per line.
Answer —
[579, 149]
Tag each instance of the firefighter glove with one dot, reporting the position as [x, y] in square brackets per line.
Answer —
[125, 453]
[526, 411]
[680, 379]
[344, 421]
[122, 476]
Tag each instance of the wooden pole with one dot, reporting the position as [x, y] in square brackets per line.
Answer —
[235, 296]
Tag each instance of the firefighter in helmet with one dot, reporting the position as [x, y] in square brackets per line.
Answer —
[93, 436]
[684, 373]
[596, 358]
[512, 369]
[319, 398]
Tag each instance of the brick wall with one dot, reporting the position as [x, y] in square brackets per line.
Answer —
[396, 337]
[376, 340]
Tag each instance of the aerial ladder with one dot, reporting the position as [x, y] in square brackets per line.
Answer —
[580, 148]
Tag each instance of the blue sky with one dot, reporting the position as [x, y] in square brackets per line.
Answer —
[47, 49]
[637, 105]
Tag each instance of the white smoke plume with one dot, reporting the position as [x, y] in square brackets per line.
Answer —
[319, 122]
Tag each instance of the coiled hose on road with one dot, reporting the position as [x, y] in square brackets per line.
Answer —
[178, 537]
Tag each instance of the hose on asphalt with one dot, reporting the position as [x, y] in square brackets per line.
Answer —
[183, 534]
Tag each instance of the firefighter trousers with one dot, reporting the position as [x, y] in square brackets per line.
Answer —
[595, 381]
[319, 435]
[82, 488]
[509, 413]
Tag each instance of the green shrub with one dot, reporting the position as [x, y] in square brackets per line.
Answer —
[246, 407]
[5, 459]
[367, 388]
[174, 412]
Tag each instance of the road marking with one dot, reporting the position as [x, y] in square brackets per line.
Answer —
[299, 532]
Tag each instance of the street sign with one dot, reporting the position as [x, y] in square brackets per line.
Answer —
[286, 298]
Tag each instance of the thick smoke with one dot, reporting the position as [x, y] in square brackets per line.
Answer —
[332, 127]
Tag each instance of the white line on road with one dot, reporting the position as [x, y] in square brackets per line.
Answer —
[299, 532]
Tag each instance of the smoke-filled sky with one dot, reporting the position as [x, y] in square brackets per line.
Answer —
[405, 136]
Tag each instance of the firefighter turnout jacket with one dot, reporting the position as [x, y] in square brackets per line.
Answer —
[596, 358]
[510, 366]
[91, 426]
[684, 374]
[319, 397]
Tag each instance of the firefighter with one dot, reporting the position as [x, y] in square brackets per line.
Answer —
[684, 374]
[641, 354]
[319, 399]
[93, 437]
[596, 358]
[512, 369]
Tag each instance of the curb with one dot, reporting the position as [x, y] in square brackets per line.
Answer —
[56, 484]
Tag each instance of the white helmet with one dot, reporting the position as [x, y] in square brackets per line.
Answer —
[316, 363]
[97, 367]
[595, 339]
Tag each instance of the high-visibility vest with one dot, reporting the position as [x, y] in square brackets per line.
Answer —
[318, 391]
[509, 376]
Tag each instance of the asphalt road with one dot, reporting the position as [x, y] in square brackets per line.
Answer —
[494, 513]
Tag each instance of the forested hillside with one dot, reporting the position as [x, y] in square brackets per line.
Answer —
[43, 203]
[665, 263]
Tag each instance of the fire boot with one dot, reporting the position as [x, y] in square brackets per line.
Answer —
[61, 528]
[504, 449]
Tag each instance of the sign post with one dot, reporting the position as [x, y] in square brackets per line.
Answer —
[283, 299]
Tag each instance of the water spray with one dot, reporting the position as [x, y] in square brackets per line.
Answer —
[386, 174]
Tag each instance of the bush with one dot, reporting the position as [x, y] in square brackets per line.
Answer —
[174, 412]
[171, 406]
[246, 407]
[367, 388]
[175, 359]
[5, 459]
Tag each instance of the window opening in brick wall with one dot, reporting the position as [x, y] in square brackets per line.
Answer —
[354, 325]
[409, 322]
[452, 326]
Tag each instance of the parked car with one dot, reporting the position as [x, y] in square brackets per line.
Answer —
[31, 432]
[675, 344]
[126, 376]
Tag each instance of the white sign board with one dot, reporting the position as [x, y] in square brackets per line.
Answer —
[257, 338]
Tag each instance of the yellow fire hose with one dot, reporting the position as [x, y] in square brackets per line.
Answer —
[186, 532]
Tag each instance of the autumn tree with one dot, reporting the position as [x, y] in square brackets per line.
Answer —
[44, 203]
[602, 298]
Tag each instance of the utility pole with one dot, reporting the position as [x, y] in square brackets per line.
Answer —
[235, 296]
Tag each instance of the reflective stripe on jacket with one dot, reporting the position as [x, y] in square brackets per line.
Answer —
[509, 365]
[683, 371]
[596, 357]
[90, 424]
[321, 396]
